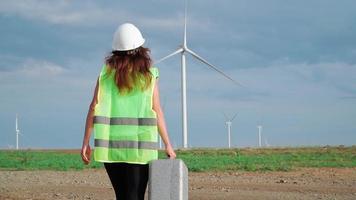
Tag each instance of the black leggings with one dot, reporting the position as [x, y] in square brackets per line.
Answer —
[129, 180]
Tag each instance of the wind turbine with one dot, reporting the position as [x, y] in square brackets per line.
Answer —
[259, 135]
[160, 142]
[17, 133]
[229, 123]
[183, 49]
[266, 142]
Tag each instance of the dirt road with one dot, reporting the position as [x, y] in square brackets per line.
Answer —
[94, 184]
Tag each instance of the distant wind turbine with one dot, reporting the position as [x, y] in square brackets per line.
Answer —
[17, 133]
[266, 142]
[182, 50]
[160, 142]
[229, 123]
[259, 135]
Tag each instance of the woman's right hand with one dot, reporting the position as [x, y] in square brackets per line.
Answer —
[170, 152]
[86, 153]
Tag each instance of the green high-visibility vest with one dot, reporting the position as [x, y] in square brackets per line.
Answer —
[125, 126]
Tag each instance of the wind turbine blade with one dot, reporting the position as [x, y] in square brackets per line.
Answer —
[233, 117]
[225, 116]
[212, 66]
[16, 123]
[170, 55]
[185, 26]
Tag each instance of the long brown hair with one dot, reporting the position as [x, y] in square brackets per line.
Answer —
[132, 69]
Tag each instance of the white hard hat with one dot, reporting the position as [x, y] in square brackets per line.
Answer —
[127, 37]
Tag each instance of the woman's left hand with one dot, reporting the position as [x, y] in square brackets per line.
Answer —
[86, 153]
[170, 152]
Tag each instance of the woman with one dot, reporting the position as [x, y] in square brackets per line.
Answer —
[126, 115]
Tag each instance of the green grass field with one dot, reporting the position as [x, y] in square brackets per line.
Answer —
[246, 159]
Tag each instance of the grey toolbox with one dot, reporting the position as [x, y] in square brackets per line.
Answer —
[168, 180]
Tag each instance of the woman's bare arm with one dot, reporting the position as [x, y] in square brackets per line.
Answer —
[161, 122]
[89, 126]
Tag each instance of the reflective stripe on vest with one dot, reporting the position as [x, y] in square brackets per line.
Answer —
[125, 144]
[125, 121]
[125, 126]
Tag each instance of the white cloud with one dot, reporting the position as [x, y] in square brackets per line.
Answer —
[43, 10]
[59, 12]
[40, 68]
[280, 86]
[32, 68]
[55, 12]
[65, 12]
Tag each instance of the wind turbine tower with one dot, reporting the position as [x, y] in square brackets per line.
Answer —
[182, 50]
[259, 135]
[17, 133]
[229, 123]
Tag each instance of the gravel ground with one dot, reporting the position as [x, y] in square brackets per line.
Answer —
[324, 183]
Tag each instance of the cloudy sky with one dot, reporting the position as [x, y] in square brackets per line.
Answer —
[297, 60]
